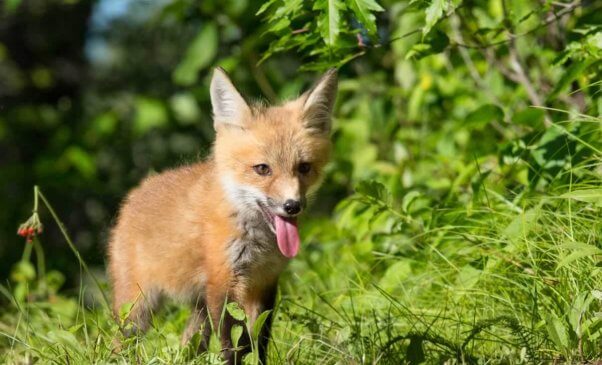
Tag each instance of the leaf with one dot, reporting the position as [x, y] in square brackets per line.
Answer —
[571, 73]
[185, 108]
[484, 115]
[80, 159]
[363, 11]
[199, 55]
[235, 334]
[329, 24]
[235, 311]
[259, 323]
[435, 43]
[374, 192]
[395, 275]
[65, 338]
[22, 272]
[557, 331]
[580, 250]
[150, 114]
[532, 117]
[408, 199]
[434, 12]
[124, 310]
[265, 7]
[468, 277]
[11, 5]
[521, 225]
[585, 195]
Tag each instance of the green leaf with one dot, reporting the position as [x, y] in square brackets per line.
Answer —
[329, 24]
[532, 117]
[585, 195]
[185, 108]
[235, 334]
[200, 53]
[374, 192]
[468, 277]
[65, 338]
[571, 73]
[408, 199]
[434, 12]
[150, 114]
[484, 115]
[436, 42]
[124, 310]
[557, 331]
[259, 323]
[80, 159]
[521, 225]
[235, 311]
[580, 250]
[265, 7]
[22, 272]
[11, 5]
[363, 11]
[395, 275]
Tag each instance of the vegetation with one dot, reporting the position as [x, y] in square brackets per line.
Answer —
[459, 221]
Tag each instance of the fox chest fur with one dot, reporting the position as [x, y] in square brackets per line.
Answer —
[253, 254]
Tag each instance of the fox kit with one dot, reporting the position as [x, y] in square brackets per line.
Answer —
[223, 229]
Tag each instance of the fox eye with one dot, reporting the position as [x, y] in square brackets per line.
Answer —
[262, 169]
[304, 167]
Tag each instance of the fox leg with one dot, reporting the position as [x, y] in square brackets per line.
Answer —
[198, 319]
[143, 303]
[267, 303]
[223, 326]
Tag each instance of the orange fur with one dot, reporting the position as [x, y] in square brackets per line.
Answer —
[177, 233]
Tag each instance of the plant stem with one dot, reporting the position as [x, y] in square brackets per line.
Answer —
[41, 264]
[71, 245]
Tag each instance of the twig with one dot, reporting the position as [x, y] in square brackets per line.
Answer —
[552, 18]
[519, 70]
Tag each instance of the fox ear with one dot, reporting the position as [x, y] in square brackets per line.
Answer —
[319, 102]
[229, 107]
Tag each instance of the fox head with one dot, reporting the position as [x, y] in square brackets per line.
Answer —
[270, 158]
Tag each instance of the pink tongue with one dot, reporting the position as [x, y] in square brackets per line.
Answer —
[287, 235]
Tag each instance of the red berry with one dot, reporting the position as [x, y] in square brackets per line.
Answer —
[30, 231]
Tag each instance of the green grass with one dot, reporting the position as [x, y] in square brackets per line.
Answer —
[483, 270]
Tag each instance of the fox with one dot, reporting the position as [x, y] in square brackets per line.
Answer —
[223, 229]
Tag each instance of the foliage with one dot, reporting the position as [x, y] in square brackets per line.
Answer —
[459, 220]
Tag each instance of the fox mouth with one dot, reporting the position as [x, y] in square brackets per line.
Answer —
[267, 215]
[285, 229]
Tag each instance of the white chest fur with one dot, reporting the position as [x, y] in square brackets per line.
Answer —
[254, 255]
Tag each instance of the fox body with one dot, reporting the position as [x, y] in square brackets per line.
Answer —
[224, 229]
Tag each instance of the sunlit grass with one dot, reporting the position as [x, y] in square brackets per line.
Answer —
[505, 276]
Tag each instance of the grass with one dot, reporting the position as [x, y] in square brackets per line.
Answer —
[486, 272]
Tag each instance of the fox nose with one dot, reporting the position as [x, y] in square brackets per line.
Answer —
[292, 207]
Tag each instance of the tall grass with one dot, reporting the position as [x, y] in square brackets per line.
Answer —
[490, 271]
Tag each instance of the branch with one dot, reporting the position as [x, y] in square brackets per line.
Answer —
[519, 71]
[568, 8]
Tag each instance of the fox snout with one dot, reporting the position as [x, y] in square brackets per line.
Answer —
[288, 207]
